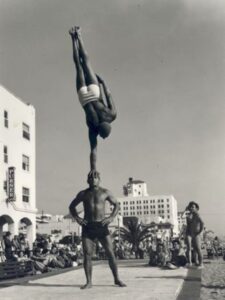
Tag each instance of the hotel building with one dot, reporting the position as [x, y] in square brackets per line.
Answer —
[148, 208]
[17, 166]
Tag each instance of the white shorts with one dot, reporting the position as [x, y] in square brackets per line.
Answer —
[87, 94]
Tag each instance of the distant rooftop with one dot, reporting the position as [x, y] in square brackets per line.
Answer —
[5, 90]
[135, 181]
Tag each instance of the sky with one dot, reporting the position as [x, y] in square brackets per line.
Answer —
[164, 62]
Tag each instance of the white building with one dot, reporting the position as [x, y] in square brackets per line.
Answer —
[148, 208]
[17, 165]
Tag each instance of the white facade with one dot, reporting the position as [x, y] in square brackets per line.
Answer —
[17, 149]
[149, 208]
[135, 188]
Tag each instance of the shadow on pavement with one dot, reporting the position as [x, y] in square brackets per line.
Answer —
[219, 287]
[163, 277]
[191, 286]
[65, 285]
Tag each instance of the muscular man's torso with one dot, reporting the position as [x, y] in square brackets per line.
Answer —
[193, 224]
[96, 113]
[94, 204]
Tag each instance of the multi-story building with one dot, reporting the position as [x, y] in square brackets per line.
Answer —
[148, 208]
[17, 165]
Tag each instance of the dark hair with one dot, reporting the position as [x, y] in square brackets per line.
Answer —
[90, 174]
[176, 241]
[193, 203]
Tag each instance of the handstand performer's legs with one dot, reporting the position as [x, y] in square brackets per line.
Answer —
[107, 245]
[80, 79]
[89, 73]
[88, 246]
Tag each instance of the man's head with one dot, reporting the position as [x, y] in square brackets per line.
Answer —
[54, 249]
[8, 234]
[104, 129]
[176, 244]
[93, 179]
[193, 206]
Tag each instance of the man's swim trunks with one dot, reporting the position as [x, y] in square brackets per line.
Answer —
[87, 94]
[95, 230]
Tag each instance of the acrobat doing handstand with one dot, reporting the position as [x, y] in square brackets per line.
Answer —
[98, 114]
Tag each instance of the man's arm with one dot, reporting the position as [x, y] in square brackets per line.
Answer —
[73, 210]
[112, 200]
[93, 145]
[108, 96]
[72, 33]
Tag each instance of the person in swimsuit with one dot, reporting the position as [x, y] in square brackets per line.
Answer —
[89, 89]
[194, 229]
[95, 224]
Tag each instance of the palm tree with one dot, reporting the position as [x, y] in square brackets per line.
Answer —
[134, 233]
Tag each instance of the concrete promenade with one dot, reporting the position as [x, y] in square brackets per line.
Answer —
[143, 283]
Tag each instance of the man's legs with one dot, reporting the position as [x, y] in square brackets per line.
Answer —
[189, 253]
[80, 79]
[197, 247]
[89, 73]
[88, 246]
[107, 245]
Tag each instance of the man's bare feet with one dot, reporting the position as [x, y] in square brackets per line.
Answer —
[120, 283]
[86, 286]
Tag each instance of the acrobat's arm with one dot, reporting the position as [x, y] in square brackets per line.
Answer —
[73, 210]
[108, 96]
[93, 145]
[113, 201]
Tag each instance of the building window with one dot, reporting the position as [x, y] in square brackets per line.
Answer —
[168, 217]
[6, 120]
[26, 163]
[5, 185]
[5, 150]
[26, 131]
[26, 194]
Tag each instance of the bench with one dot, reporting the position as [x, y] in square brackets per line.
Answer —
[14, 269]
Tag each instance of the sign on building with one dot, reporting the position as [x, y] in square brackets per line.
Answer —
[11, 184]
